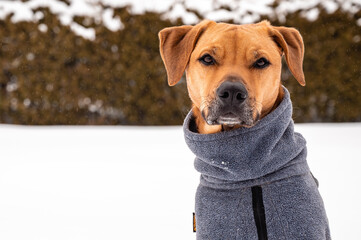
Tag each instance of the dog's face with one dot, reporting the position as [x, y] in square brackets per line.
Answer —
[233, 71]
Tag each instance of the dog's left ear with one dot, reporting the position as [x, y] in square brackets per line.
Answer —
[291, 42]
[176, 46]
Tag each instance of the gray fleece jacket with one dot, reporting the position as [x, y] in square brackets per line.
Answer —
[255, 182]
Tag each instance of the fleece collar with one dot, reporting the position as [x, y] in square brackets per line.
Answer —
[266, 152]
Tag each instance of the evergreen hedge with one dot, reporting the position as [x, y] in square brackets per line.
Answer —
[53, 76]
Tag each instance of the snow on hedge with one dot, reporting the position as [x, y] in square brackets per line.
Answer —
[245, 11]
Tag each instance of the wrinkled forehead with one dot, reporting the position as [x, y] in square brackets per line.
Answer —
[225, 40]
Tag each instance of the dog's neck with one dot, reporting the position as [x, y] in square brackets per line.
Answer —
[204, 128]
[275, 104]
[249, 153]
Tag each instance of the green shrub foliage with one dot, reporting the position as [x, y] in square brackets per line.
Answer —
[55, 77]
[332, 68]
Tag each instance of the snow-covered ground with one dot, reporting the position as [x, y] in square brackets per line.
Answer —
[139, 182]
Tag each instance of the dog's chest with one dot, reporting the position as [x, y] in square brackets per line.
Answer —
[292, 208]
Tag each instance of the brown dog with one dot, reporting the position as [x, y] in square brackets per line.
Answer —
[233, 78]
[232, 71]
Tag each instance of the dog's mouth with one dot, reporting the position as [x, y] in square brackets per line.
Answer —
[244, 116]
[229, 119]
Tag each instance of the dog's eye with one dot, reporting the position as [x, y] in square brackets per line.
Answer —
[207, 60]
[261, 63]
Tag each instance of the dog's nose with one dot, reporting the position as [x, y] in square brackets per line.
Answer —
[232, 93]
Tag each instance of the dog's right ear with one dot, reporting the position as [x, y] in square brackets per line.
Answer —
[176, 46]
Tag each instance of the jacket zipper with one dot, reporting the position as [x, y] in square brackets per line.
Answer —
[259, 212]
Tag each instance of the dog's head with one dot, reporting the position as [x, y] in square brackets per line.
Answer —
[233, 71]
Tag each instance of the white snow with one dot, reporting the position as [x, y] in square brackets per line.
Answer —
[139, 182]
[245, 11]
[88, 33]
